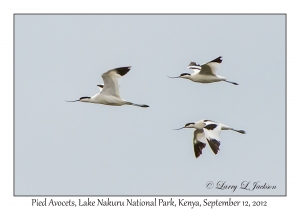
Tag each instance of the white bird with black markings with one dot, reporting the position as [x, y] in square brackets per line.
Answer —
[205, 73]
[207, 131]
[109, 92]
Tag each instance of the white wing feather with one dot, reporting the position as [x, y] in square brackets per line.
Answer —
[209, 68]
[110, 78]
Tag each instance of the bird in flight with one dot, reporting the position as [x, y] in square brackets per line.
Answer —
[109, 92]
[207, 131]
[205, 73]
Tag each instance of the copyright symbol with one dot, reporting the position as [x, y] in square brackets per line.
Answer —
[209, 185]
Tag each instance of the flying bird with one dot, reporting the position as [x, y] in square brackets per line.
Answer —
[207, 131]
[109, 92]
[205, 73]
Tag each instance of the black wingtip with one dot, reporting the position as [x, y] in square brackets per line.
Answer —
[123, 70]
[100, 86]
[144, 106]
[198, 148]
[214, 145]
[217, 60]
[193, 64]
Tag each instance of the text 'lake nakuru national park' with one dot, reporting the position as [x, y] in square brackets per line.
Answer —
[136, 202]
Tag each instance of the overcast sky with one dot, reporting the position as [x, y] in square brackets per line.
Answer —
[89, 149]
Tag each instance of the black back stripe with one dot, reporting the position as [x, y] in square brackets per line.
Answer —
[210, 121]
[211, 126]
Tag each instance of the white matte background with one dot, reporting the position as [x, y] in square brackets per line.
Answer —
[87, 149]
[7, 148]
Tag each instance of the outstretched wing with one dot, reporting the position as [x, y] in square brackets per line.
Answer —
[212, 134]
[194, 66]
[210, 68]
[110, 78]
[198, 141]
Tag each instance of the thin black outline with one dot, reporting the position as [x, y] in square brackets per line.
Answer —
[14, 15]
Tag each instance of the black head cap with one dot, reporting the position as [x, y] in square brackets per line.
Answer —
[189, 124]
[84, 97]
[184, 74]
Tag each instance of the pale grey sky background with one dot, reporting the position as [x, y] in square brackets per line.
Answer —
[86, 149]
